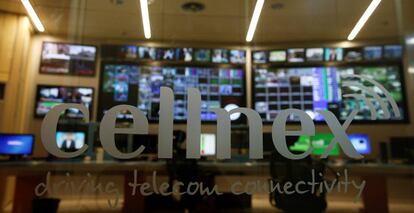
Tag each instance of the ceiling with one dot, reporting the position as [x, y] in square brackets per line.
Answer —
[223, 21]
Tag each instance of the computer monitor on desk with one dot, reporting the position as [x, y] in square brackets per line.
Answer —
[361, 143]
[16, 145]
[402, 149]
[208, 145]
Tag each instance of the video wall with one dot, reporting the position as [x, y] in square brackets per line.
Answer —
[185, 55]
[309, 79]
[299, 83]
[309, 55]
[140, 86]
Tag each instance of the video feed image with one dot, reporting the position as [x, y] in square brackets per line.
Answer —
[237, 56]
[202, 55]
[70, 141]
[70, 59]
[319, 142]
[314, 54]
[388, 76]
[353, 54]
[373, 53]
[167, 54]
[185, 54]
[393, 51]
[50, 96]
[307, 89]
[220, 56]
[149, 53]
[296, 55]
[277, 56]
[334, 54]
[16, 144]
[119, 51]
[219, 87]
[259, 57]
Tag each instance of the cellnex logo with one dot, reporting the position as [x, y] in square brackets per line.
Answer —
[139, 125]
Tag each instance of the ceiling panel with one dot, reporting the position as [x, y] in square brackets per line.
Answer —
[221, 21]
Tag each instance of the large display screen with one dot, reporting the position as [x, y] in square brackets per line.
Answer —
[70, 59]
[326, 88]
[140, 86]
[50, 96]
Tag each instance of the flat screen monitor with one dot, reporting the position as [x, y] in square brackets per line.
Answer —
[49, 96]
[202, 55]
[147, 53]
[70, 141]
[393, 51]
[16, 144]
[167, 54]
[259, 57]
[353, 54]
[220, 56]
[319, 142]
[140, 86]
[324, 88]
[277, 56]
[185, 54]
[373, 53]
[314, 54]
[296, 55]
[334, 54]
[402, 148]
[361, 143]
[237, 56]
[208, 144]
[70, 59]
[119, 52]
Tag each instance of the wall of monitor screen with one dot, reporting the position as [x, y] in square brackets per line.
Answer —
[305, 78]
[310, 79]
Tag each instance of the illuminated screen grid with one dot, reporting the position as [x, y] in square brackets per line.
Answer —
[140, 86]
[322, 88]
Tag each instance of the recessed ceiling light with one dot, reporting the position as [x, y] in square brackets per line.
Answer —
[255, 19]
[193, 7]
[364, 18]
[33, 16]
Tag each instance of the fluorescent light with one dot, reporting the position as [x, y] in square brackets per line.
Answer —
[364, 18]
[33, 16]
[255, 19]
[410, 41]
[411, 70]
[145, 18]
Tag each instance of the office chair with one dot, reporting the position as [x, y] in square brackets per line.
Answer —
[284, 170]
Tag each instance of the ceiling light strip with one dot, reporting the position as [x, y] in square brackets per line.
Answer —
[33, 16]
[364, 18]
[145, 19]
[255, 19]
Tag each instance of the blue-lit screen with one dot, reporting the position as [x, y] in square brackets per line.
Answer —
[16, 144]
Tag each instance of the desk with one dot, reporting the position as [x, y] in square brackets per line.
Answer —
[374, 196]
